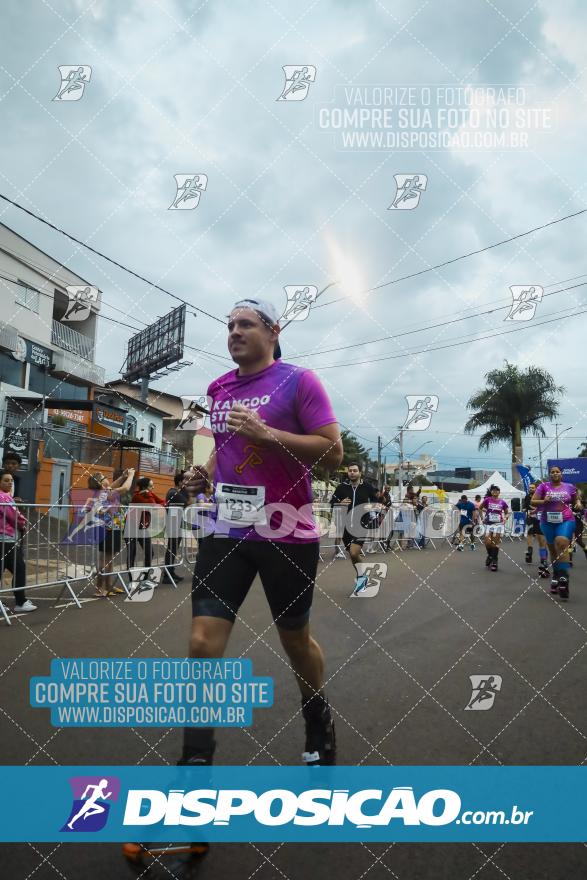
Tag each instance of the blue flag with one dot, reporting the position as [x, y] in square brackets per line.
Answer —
[526, 476]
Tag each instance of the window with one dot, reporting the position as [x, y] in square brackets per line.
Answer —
[152, 433]
[131, 426]
[27, 297]
[11, 371]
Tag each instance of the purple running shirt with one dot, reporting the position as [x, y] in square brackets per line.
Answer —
[562, 497]
[288, 398]
[496, 510]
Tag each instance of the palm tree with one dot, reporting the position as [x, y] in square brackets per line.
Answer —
[515, 402]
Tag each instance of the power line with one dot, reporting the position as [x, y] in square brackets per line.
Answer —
[109, 259]
[457, 259]
[429, 326]
[441, 347]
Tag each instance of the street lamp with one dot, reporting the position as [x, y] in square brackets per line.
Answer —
[557, 435]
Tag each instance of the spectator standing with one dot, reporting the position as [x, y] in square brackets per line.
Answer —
[11, 556]
[176, 500]
[143, 495]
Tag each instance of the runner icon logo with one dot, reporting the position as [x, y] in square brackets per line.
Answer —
[79, 307]
[409, 188]
[484, 689]
[196, 409]
[92, 796]
[74, 79]
[421, 408]
[299, 302]
[370, 575]
[524, 302]
[189, 189]
[298, 80]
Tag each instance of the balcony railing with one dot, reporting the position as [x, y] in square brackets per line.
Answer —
[70, 340]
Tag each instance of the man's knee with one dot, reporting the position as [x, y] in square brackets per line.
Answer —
[295, 642]
[209, 637]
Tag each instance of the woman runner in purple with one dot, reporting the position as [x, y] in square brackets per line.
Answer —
[556, 500]
[494, 510]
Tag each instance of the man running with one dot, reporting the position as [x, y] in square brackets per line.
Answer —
[556, 501]
[467, 521]
[533, 530]
[90, 806]
[352, 494]
[272, 422]
[495, 511]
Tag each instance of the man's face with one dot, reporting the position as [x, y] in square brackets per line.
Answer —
[353, 473]
[11, 465]
[249, 337]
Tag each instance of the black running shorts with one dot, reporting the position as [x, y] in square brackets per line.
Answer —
[226, 568]
[534, 526]
[348, 539]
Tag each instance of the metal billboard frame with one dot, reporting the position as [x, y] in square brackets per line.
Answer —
[157, 346]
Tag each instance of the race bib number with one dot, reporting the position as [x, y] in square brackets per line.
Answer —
[554, 517]
[241, 505]
[493, 517]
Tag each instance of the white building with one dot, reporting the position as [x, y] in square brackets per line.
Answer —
[40, 356]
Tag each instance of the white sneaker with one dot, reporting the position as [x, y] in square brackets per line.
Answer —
[28, 606]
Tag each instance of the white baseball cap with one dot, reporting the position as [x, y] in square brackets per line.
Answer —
[266, 308]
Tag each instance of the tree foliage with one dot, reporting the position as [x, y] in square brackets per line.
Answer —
[515, 402]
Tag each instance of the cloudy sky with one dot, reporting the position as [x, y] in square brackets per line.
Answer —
[192, 87]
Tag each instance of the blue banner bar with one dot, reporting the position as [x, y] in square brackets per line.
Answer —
[319, 804]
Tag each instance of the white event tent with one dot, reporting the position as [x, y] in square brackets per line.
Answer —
[507, 491]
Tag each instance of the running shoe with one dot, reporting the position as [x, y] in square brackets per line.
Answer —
[563, 587]
[493, 566]
[171, 858]
[26, 606]
[361, 583]
[460, 547]
[529, 555]
[543, 571]
[554, 586]
[472, 546]
[320, 733]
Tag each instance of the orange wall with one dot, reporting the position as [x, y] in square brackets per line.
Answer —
[80, 473]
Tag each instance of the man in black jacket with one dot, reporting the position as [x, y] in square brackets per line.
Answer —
[176, 500]
[353, 494]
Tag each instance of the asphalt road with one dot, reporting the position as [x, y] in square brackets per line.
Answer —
[398, 668]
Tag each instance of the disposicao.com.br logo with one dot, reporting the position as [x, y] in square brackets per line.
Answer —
[366, 808]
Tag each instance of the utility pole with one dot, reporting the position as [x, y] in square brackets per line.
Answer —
[400, 476]
[379, 461]
[144, 389]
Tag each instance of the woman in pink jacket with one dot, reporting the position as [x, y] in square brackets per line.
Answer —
[11, 558]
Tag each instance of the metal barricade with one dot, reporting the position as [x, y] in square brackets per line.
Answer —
[56, 548]
[33, 540]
